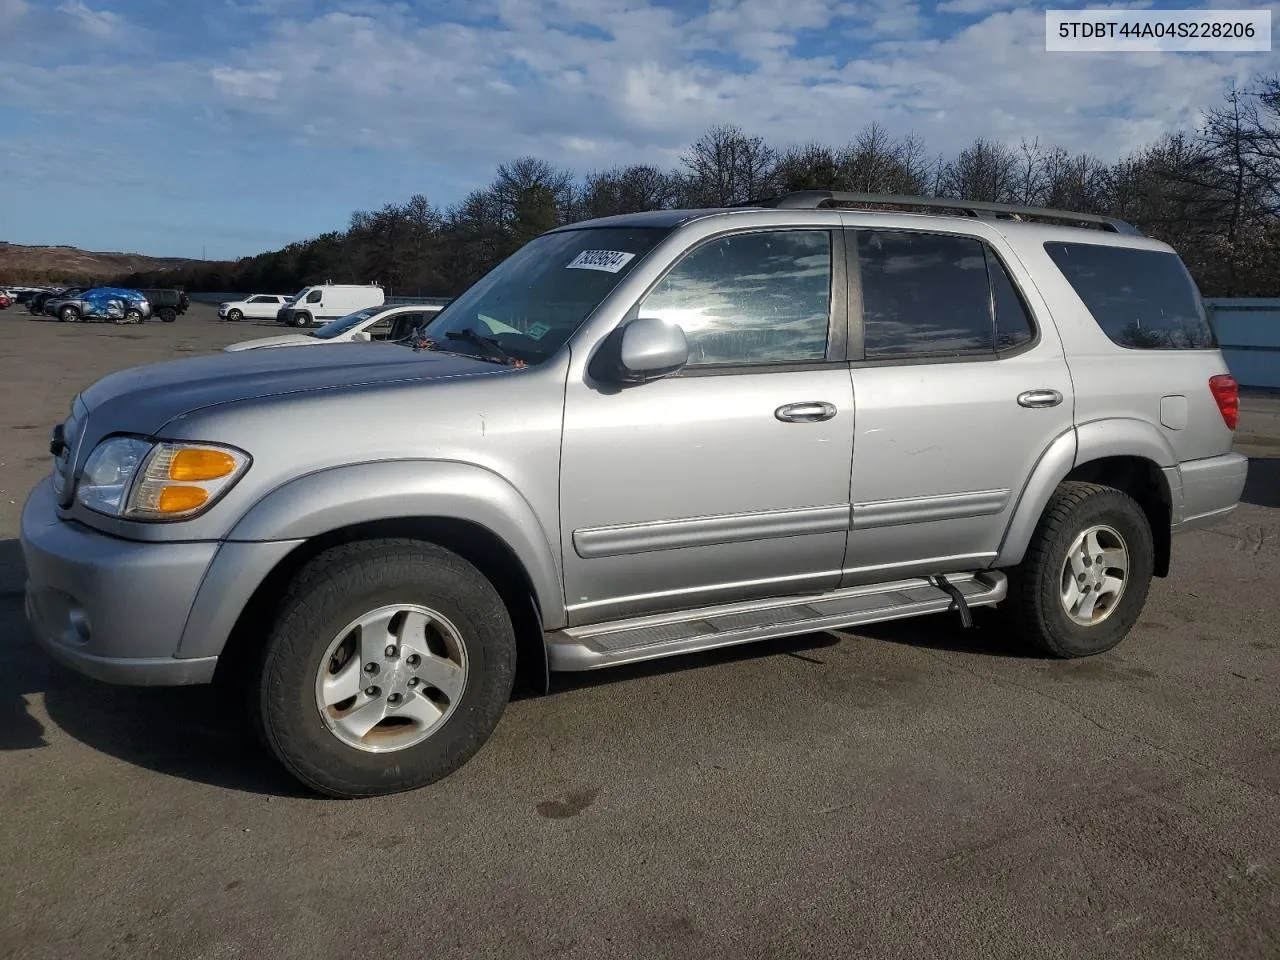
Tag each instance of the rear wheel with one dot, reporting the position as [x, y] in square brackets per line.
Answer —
[1084, 580]
[69, 315]
[388, 667]
[235, 316]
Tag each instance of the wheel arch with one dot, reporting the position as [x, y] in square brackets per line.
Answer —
[1128, 454]
[461, 507]
[475, 543]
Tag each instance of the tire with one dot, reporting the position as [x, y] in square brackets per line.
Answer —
[1036, 606]
[133, 316]
[235, 316]
[322, 606]
[168, 314]
[301, 319]
[69, 315]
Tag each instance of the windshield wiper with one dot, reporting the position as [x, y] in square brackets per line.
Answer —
[494, 348]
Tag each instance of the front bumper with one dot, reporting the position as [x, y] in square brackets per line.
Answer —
[112, 609]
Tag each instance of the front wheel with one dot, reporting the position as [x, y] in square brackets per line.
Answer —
[69, 315]
[1083, 582]
[235, 316]
[388, 667]
[168, 314]
[301, 319]
[133, 316]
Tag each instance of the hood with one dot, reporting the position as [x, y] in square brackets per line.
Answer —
[144, 399]
[284, 340]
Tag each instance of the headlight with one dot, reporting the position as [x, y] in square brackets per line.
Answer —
[142, 480]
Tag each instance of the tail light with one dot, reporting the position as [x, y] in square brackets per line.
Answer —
[1226, 392]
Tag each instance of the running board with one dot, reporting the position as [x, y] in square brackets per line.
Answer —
[664, 635]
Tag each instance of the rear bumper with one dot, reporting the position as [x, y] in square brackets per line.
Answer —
[1210, 488]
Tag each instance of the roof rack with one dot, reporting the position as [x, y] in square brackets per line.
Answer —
[813, 199]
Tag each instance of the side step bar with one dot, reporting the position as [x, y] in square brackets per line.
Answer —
[663, 635]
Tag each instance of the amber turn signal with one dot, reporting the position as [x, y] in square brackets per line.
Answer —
[200, 463]
[180, 499]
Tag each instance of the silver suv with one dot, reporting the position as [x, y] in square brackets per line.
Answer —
[636, 437]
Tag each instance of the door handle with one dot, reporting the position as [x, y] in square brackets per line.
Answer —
[1039, 398]
[809, 411]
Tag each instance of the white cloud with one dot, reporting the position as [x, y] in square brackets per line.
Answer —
[978, 6]
[11, 10]
[598, 82]
[248, 84]
[96, 23]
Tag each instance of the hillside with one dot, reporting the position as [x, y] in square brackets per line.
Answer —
[21, 264]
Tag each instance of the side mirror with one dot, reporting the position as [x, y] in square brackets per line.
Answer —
[647, 348]
[362, 336]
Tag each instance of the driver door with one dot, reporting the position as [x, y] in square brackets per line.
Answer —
[730, 479]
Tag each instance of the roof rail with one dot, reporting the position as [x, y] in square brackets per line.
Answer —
[813, 199]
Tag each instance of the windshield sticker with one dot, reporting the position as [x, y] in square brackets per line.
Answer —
[537, 330]
[610, 261]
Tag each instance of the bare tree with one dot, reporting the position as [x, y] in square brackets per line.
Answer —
[626, 190]
[811, 166]
[726, 166]
[985, 170]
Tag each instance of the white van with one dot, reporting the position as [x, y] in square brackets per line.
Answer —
[328, 301]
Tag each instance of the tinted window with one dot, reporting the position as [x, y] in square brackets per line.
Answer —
[751, 298]
[1140, 298]
[1013, 323]
[924, 294]
[314, 296]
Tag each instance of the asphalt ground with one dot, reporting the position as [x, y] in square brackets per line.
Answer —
[909, 790]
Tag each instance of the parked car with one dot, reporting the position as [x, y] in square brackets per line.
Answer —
[35, 306]
[707, 428]
[118, 304]
[260, 306]
[167, 303]
[374, 323]
[329, 301]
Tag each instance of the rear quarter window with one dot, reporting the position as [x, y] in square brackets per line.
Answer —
[1142, 299]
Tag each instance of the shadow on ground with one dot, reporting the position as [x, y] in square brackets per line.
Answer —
[201, 734]
[1262, 488]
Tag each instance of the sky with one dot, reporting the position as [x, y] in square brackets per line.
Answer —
[222, 128]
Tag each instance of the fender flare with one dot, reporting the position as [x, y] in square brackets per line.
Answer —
[339, 497]
[331, 499]
[1112, 437]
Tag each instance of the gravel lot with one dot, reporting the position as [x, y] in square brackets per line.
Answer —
[910, 790]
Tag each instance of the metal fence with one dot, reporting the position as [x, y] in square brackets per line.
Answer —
[1248, 331]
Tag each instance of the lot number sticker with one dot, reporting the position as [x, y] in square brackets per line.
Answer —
[610, 261]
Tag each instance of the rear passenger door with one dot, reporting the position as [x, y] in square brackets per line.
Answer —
[960, 384]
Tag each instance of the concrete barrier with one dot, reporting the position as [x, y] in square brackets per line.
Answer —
[1248, 330]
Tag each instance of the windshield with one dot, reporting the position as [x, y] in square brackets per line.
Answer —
[298, 295]
[533, 301]
[340, 326]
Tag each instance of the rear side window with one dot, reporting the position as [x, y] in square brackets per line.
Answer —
[1142, 299]
[936, 295]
